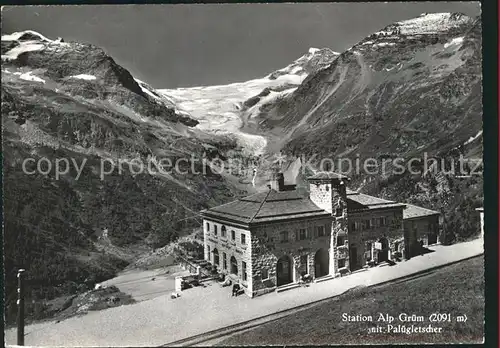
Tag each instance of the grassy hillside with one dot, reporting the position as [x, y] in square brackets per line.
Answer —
[457, 289]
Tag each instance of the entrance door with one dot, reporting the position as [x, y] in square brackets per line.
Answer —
[284, 271]
[321, 263]
[432, 238]
[353, 258]
[383, 254]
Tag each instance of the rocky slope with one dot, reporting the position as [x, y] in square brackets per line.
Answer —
[410, 90]
[223, 109]
[71, 104]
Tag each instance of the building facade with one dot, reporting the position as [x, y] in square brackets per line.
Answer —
[271, 239]
[421, 225]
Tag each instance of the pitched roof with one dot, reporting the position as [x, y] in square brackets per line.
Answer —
[267, 206]
[361, 201]
[412, 211]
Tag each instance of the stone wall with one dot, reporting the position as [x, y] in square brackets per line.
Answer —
[232, 248]
[268, 247]
[392, 231]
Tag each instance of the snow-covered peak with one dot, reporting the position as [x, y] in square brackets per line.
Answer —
[314, 59]
[28, 34]
[428, 23]
[28, 40]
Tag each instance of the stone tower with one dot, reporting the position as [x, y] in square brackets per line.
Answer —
[328, 191]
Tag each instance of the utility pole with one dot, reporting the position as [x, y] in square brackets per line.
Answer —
[20, 307]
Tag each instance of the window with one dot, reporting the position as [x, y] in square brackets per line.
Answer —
[233, 235]
[243, 238]
[303, 262]
[340, 240]
[208, 249]
[208, 227]
[383, 221]
[320, 231]
[341, 263]
[339, 211]
[223, 231]
[353, 226]
[234, 265]
[368, 251]
[302, 234]
[224, 260]
[244, 270]
[216, 257]
[283, 236]
[367, 224]
[215, 229]
[265, 274]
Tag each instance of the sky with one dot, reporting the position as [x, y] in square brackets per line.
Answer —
[185, 45]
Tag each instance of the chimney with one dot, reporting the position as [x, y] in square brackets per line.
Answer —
[328, 191]
[277, 181]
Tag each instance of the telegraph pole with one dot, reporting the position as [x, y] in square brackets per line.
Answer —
[20, 307]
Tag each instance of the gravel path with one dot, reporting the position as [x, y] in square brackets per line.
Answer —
[161, 320]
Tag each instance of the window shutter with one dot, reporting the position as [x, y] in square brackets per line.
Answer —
[296, 234]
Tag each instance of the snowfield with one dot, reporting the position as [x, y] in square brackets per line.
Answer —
[428, 23]
[83, 77]
[30, 77]
[28, 45]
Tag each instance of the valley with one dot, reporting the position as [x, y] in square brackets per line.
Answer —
[411, 89]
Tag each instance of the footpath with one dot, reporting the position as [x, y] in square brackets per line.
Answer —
[162, 320]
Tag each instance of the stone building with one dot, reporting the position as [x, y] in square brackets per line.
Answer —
[270, 239]
[422, 227]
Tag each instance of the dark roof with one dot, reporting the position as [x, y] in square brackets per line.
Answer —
[412, 211]
[328, 175]
[361, 201]
[267, 206]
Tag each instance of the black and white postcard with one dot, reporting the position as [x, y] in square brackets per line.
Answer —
[244, 174]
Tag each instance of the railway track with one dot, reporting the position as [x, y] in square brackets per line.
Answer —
[215, 336]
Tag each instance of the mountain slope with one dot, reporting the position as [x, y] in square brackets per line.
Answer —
[389, 87]
[220, 108]
[409, 91]
[71, 105]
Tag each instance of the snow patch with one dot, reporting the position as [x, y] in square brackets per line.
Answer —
[30, 77]
[15, 36]
[28, 46]
[471, 139]
[384, 44]
[456, 41]
[84, 77]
